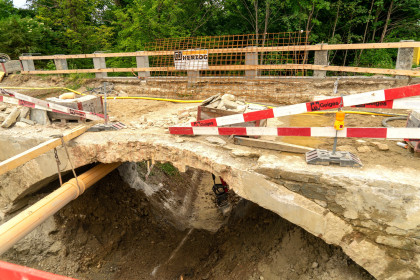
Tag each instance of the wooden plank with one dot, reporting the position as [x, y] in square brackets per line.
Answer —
[18, 160]
[412, 73]
[240, 50]
[278, 146]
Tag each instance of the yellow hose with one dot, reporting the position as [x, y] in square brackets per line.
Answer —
[116, 97]
[199, 101]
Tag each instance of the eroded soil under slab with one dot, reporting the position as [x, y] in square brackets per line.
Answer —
[110, 232]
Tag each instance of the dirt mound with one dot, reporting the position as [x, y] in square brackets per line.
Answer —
[111, 233]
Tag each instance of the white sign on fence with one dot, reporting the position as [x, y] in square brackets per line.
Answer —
[191, 60]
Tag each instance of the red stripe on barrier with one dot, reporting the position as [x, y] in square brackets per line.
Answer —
[366, 132]
[1, 98]
[208, 122]
[79, 106]
[232, 131]
[294, 131]
[382, 104]
[26, 103]
[402, 92]
[259, 115]
[181, 130]
[325, 104]
[11, 271]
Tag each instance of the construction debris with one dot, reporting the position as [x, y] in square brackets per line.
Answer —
[271, 145]
[324, 157]
[11, 118]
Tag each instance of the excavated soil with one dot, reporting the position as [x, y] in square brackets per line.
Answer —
[110, 232]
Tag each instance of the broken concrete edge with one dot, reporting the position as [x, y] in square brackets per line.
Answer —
[291, 206]
[247, 183]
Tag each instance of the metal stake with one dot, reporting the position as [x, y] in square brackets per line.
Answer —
[105, 103]
[335, 143]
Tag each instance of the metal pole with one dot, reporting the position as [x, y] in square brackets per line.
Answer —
[105, 103]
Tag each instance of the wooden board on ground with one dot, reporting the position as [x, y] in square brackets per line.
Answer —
[278, 146]
[2, 76]
[13, 162]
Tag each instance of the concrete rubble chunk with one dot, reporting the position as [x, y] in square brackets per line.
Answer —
[2, 117]
[363, 149]
[8, 110]
[244, 153]
[27, 121]
[381, 146]
[216, 140]
[40, 116]
[21, 125]
[11, 118]
[24, 112]
[3, 107]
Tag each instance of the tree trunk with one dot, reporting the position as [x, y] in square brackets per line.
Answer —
[336, 19]
[256, 22]
[364, 35]
[387, 22]
[305, 54]
[378, 12]
[267, 15]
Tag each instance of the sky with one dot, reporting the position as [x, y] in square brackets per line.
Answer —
[19, 3]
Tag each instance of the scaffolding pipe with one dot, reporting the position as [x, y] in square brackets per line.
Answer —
[23, 223]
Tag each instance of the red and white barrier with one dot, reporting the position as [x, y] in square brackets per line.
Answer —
[359, 132]
[403, 103]
[32, 102]
[9, 271]
[332, 103]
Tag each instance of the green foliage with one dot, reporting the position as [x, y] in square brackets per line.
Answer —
[167, 168]
[25, 35]
[86, 26]
[380, 58]
[6, 9]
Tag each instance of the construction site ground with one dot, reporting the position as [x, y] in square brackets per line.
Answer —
[149, 116]
[110, 232]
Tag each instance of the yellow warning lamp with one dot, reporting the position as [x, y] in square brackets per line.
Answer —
[339, 120]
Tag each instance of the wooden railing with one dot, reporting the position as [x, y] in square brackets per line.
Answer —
[403, 67]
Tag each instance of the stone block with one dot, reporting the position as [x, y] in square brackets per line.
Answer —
[11, 118]
[100, 63]
[321, 58]
[251, 58]
[40, 116]
[24, 112]
[12, 66]
[89, 103]
[142, 62]
[404, 58]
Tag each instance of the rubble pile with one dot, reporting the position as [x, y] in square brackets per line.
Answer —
[230, 102]
[14, 115]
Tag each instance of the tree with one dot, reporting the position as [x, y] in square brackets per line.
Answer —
[6, 9]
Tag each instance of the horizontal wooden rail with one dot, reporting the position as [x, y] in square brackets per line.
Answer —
[413, 73]
[240, 50]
